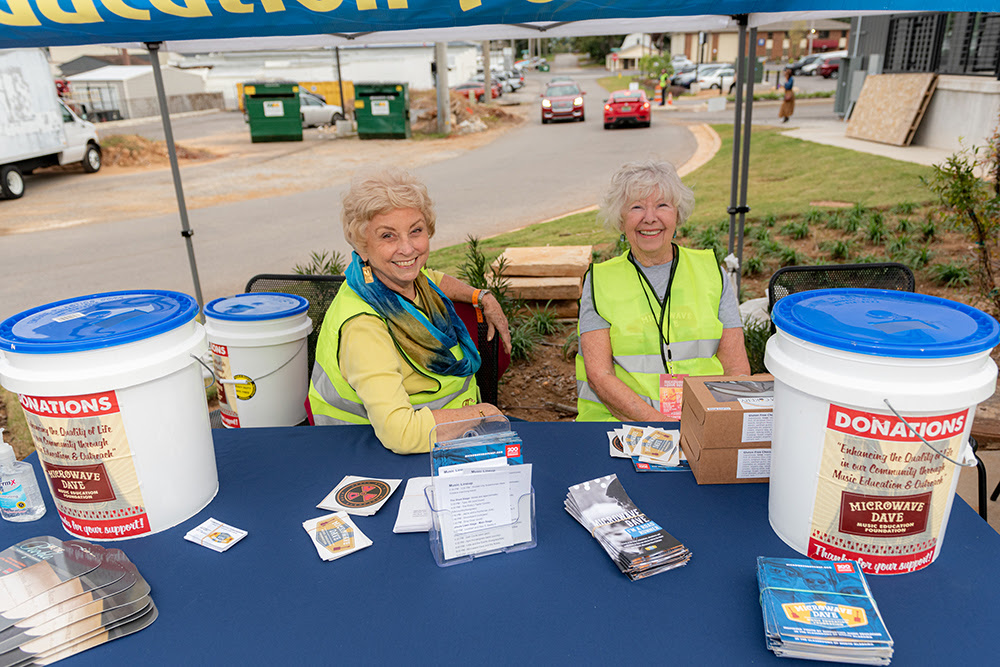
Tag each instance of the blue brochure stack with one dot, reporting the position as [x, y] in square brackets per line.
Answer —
[821, 610]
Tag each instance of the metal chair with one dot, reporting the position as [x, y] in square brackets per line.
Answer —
[792, 279]
[888, 275]
[319, 290]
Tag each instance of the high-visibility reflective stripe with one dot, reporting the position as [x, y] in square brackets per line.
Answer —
[679, 351]
[584, 392]
[326, 390]
[327, 420]
[324, 387]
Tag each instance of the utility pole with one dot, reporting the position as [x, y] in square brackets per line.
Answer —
[487, 75]
[443, 96]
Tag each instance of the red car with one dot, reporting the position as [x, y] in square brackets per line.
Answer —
[474, 90]
[626, 107]
[829, 67]
[562, 100]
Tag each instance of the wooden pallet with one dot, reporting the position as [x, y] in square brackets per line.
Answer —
[890, 107]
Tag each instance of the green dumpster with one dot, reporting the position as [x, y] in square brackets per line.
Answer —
[382, 110]
[273, 111]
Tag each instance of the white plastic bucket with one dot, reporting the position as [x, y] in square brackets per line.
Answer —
[849, 480]
[259, 349]
[116, 405]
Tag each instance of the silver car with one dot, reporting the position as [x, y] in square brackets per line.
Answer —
[315, 111]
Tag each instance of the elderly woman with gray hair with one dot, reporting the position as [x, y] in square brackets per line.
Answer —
[657, 309]
[392, 351]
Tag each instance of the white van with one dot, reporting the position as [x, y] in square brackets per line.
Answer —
[36, 129]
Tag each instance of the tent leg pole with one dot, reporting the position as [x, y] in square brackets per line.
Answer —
[747, 132]
[168, 135]
[737, 135]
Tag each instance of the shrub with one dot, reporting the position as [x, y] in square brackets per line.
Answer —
[770, 220]
[928, 230]
[753, 266]
[918, 258]
[322, 264]
[833, 220]
[524, 337]
[904, 208]
[790, 256]
[952, 274]
[755, 336]
[904, 225]
[838, 249]
[875, 230]
[898, 245]
[477, 271]
[814, 216]
[761, 234]
[796, 230]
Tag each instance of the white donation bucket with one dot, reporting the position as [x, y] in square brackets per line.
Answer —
[115, 402]
[259, 349]
[850, 479]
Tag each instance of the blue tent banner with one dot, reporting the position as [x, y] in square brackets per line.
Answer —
[25, 23]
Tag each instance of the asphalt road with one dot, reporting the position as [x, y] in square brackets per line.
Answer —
[530, 174]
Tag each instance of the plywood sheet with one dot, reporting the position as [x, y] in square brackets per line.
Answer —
[545, 288]
[890, 107]
[570, 260]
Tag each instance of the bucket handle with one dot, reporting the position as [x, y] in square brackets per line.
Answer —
[967, 464]
[261, 377]
[211, 370]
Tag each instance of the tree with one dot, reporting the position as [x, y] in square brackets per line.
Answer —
[597, 47]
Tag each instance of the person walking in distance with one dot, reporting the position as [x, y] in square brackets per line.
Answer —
[663, 86]
[788, 104]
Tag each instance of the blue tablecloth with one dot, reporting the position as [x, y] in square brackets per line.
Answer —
[270, 599]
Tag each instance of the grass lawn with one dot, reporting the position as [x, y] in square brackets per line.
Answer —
[786, 177]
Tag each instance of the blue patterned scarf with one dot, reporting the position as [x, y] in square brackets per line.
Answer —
[427, 339]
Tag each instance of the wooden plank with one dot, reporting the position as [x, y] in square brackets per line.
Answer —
[924, 103]
[890, 107]
[571, 260]
[562, 307]
[545, 288]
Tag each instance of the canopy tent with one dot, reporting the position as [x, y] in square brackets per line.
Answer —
[213, 25]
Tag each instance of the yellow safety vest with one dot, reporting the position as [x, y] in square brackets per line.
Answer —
[334, 401]
[687, 337]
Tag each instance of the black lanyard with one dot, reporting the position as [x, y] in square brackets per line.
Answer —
[666, 357]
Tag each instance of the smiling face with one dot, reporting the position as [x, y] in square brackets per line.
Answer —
[397, 244]
[649, 226]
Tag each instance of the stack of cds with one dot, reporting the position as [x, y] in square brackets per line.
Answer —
[821, 610]
[637, 545]
[60, 598]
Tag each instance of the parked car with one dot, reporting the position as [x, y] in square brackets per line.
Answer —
[694, 74]
[797, 66]
[494, 84]
[626, 107]
[516, 78]
[474, 90]
[722, 78]
[561, 101]
[315, 111]
[680, 60]
[830, 67]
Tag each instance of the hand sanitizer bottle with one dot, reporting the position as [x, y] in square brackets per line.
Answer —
[20, 497]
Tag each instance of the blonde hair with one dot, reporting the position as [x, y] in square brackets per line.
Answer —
[380, 190]
[638, 180]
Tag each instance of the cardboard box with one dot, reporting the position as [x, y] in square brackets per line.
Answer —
[727, 465]
[725, 422]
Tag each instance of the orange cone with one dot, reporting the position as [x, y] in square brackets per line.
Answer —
[670, 99]
[659, 95]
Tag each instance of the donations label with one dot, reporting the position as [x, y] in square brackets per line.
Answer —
[88, 464]
[223, 371]
[882, 494]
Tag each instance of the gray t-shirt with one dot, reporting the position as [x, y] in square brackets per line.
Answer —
[658, 276]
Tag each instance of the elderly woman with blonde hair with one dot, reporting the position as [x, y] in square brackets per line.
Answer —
[658, 309]
[392, 351]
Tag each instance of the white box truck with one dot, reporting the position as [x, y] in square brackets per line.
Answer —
[36, 129]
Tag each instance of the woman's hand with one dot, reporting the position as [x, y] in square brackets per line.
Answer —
[496, 320]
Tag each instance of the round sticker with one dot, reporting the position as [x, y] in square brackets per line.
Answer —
[363, 493]
[246, 387]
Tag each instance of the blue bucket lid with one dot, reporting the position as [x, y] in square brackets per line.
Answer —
[886, 323]
[256, 306]
[96, 321]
